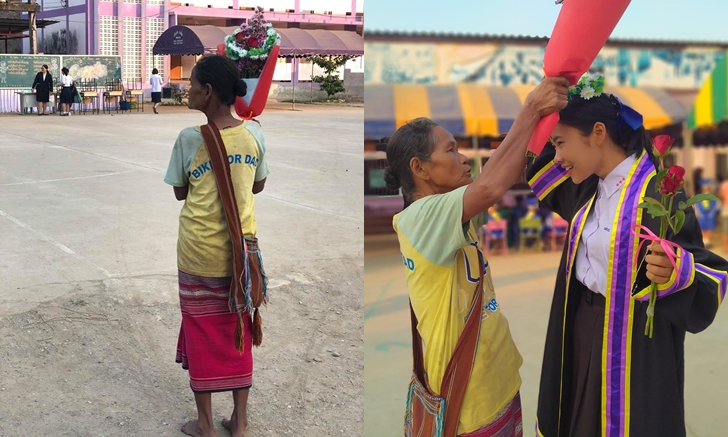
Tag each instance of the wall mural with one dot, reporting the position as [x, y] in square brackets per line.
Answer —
[503, 65]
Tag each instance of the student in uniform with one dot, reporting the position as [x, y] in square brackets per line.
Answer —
[156, 81]
[66, 94]
[601, 375]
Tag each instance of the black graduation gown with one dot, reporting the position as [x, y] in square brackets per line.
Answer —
[42, 87]
[645, 378]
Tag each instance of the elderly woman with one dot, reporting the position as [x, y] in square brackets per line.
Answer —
[442, 260]
[206, 345]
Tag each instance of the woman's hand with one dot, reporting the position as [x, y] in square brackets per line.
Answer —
[659, 268]
[549, 96]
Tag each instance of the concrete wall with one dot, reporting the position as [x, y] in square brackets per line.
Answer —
[494, 64]
[354, 84]
[307, 92]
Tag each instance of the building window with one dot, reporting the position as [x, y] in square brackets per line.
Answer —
[108, 35]
[132, 62]
[155, 28]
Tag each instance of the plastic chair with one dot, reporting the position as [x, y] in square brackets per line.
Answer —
[495, 231]
[558, 232]
[530, 229]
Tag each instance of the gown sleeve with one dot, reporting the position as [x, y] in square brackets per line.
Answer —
[692, 296]
[552, 184]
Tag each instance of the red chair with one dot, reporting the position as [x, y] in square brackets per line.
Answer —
[495, 231]
[558, 232]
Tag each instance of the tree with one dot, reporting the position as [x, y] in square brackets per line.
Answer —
[330, 64]
[55, 43]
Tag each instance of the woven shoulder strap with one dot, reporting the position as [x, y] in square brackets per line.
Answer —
[457, 373]
[221, 170]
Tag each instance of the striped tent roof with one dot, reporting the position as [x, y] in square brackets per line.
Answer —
[469, 109]
[711, 103]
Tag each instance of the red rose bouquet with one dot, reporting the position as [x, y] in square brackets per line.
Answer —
[254, 47]
[251, 44]
[670, 182]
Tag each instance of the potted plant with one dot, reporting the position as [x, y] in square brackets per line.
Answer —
[254, 47]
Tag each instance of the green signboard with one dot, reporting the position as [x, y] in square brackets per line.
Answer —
[88, 68]
[18, 71]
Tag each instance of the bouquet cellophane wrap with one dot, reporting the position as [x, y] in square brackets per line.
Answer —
[581, 30]
[260, 95]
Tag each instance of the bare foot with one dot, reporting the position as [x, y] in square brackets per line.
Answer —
[193, 428]
[231, 425]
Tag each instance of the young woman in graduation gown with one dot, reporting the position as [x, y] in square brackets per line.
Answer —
[601, 375]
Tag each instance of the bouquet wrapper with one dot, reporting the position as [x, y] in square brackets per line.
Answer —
[581, 30]
[260, 95]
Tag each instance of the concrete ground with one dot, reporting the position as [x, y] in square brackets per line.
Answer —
[524, 285]
[89, 312]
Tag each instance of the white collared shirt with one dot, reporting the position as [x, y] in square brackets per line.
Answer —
[66, 81]
[592, 254]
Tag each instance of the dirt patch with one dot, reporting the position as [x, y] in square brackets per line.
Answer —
[100, 362]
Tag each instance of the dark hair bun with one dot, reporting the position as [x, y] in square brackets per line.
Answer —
[392, 180]
[241, 88]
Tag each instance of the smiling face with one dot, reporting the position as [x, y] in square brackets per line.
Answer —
[578, 153]
[447, 168]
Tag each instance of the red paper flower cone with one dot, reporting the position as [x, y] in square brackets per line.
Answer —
[581, 30]
[260, 95]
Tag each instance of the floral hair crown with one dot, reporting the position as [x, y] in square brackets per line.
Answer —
[590, 85]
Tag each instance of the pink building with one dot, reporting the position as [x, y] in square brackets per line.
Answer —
[130, 28]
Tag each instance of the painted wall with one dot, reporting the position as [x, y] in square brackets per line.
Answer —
[504, 65]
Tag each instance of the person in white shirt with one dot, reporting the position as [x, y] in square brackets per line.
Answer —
[156, 81]
[66, 94]
[600, 365]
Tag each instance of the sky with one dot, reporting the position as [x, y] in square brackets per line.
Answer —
[687, 20]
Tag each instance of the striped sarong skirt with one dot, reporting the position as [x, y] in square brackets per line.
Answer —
[206, 344]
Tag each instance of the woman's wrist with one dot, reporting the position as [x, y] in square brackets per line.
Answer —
[530, 113]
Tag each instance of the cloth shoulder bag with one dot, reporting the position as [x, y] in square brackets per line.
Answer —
[431, 415]
[248, 286]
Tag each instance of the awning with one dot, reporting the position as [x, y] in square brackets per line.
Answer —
[711, 103]
[469, 109]
[197, 40]
[14, 27]
[189, 40]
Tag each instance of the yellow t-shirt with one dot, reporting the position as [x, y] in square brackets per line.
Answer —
[441, 261]
[203, 245]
